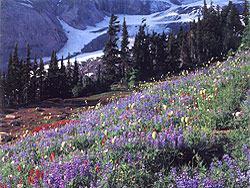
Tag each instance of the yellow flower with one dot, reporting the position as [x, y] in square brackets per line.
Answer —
[186, 119]
[63, 144]
[164, 107]
[106, 132]
[114, 140]
[182, 119]
[154, 134]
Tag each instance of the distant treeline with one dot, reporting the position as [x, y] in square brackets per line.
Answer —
[152, 56]
[25, 82]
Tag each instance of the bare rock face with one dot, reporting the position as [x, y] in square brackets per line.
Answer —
[28, 23]
[36, 21]
[79, 13]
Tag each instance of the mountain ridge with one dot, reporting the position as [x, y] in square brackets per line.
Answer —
[36, 21]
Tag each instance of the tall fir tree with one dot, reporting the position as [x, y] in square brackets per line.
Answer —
[34, 81]
[69, 73]
[1, 90]
[185, 60]
[41, 75]
[26, 77]
[125, 59]
[63, 80]
[52, 79]
[173, 54]
[9, 82]
[162, 54]
[15, 71]
[111, 53]
[141, 55]
[21, 83]
[76, 74]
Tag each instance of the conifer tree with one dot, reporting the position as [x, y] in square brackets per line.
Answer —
[9, 82]
[4, 90]
[184, 55]
[34, 80]
[26, 77]
[63, 80]
[69, 77]
[173, 54]
[125, 60]
[53, 77]
[111, 53]
[1, 90]
[41, 75]
[75, 74]
[162, 54]
[21, 82]
[15, 73]
[141, 56]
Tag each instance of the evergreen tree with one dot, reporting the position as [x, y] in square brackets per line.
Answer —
[63, 80]
[26, 77]
[111, 53]
[173, 54]
[125, 60]
[69, 73]
[245, 45]
[15, 73]
[75, 74]
[184, 55]
[53, 77]
[34, 81]
[9, 81]
[141, 55]
[161, 66]
[41, 74]
[4, 90]
[1, 90]
[21, 83]
[232, 28]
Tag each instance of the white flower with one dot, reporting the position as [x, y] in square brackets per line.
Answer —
[237, 114]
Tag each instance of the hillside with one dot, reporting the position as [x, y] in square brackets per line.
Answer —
[188, 132]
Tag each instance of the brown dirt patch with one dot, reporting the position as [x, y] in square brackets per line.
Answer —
[50, 111]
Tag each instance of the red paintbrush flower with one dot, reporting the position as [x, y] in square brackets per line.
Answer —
[37, 174]
[19, 167]
[31, 171]
[97, 169]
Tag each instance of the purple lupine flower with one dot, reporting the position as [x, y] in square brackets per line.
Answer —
[180, 141]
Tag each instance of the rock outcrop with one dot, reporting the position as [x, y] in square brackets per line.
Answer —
[25, 23]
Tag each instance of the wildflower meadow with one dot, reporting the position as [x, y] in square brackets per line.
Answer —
[188, 132]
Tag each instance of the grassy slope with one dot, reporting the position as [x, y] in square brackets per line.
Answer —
[163, 136]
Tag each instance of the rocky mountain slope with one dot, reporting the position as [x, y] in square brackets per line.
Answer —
[40, 22]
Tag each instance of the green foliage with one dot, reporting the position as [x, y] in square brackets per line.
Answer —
[77, 91]
[133, 83]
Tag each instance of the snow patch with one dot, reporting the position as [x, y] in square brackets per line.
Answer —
[27, 5]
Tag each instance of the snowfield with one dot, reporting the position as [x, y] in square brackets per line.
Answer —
[159, 22]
